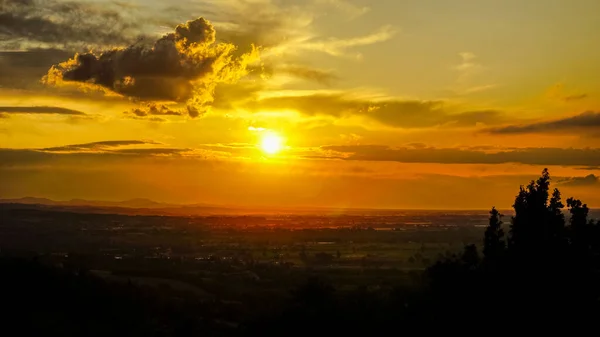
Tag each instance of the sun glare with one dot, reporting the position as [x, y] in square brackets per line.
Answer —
[271, 143]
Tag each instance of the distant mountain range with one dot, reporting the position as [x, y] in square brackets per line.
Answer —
[132, 206]
[133, 203]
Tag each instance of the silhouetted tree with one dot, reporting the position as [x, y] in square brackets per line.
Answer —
[579, 213]
[581, 229]
[546, 267]
[556, 224]
[538, 222]
[493, 242]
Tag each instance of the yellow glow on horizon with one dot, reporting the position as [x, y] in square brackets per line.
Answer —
[271, 143]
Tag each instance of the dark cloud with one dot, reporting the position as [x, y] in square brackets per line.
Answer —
[21, 158]
[181, 67]
[33, 58]
[529, 156]
[589, 168]
[588, 180]
[396, 113]
[149, 119]
[97, 145]
[23, 69]
[63, 24]
[39, 110]
[113, 151]
[152, 152]
[589, 120]
[575, 97]
[154, 110]
[561, 93]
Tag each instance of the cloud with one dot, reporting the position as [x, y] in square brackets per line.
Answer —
[588, 180]
[468, 62]
[181, 67]
[23, 69]
[283, 29]
[528, 156]
[152, 110]
[309, 74]
[395, 113]
[97, 146]
[338, 47]
[111, 151]
[588, 168]
[25, 158]
[589, 120]
[477, 89]
[63, 24]
[152, 151]
[575, 97]
[468, 70]
[39, 110]
[559, 92]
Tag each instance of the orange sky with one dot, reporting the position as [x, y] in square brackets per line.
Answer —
[391, 104]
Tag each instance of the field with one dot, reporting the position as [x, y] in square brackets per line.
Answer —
[234, 256]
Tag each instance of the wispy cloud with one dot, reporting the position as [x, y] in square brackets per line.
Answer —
[339, 47]
[98, 146]
[61, 24]
[468, 71]
[39, 110]
[587, 121]
[560, 92]
[589, 180]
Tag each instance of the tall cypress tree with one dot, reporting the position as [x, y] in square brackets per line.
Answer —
[493, 242]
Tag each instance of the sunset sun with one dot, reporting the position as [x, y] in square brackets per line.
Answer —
[271, 143]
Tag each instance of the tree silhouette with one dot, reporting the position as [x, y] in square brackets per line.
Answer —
[493, 242]
[546, 267]
[556, 229]
[538, 223]
[581, 229]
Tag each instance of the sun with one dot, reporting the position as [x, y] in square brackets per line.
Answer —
[271, 143]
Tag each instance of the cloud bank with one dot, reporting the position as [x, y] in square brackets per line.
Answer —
[390, 112]
[528, 156]
[589, 120]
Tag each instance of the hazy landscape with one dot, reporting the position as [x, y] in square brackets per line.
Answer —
[224, 263]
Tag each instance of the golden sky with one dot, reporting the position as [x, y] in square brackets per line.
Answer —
[345, 103]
